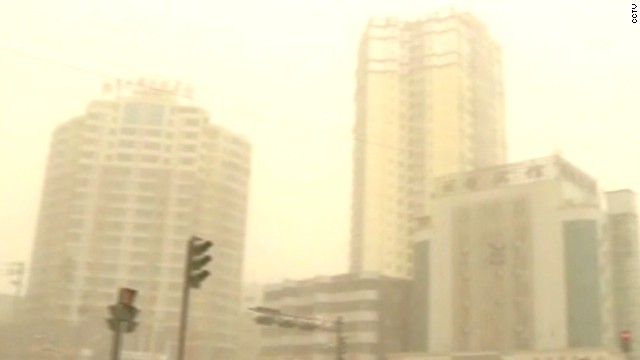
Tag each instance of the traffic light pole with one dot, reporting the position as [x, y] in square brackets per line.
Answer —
[122, 320]
[339, 339]
[270, 316]
[116, 345]
[184, 311]
[194, 274]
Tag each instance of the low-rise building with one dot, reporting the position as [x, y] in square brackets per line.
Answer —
[373, 308]
[6, 307]
[567, 354]
[515, 258]
[249, 335]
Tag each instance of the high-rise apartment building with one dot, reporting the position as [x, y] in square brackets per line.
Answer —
[429, 102]
[518, 259]
[127, 184]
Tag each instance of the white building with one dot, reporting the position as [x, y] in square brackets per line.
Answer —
[574, 354]
[373, 309]
[517, 260]
[429, 102]
[127, 183]
[623, 233]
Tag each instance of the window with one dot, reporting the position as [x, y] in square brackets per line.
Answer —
[128, 131]
[501, 178]
[92, 128]
[192, 122]
[190, 135]
[153, 145]
[125, 157]
[144, 114]
[89, 154]
[97, 116]
[126, 143]
[188, 147]
[535, 171]
[449, 186]
[150, 158]
[185, 110]
[471, 183]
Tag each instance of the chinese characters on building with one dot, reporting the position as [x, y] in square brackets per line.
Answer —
[174, 88]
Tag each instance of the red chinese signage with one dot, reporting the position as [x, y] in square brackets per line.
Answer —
[174, 88]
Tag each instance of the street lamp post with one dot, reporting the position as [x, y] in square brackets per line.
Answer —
[268, 317]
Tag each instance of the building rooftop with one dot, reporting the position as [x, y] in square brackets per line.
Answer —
[518, 173]
[326, 280]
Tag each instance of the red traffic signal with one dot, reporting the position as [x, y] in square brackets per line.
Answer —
[126, 296]
[626, 337]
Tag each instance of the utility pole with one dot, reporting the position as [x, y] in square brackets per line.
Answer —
[194, 275]
[341, 345]
[122, 320]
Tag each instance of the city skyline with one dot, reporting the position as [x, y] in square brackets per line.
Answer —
[540, 101]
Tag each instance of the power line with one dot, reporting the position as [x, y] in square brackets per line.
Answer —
[100, 57]
[112, 77]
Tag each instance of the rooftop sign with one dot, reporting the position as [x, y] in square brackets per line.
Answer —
[175, 88]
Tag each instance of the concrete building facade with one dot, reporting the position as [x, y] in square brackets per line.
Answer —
[516, 259]
[127, 183]
[373, 309]
[623, 234]
[429, 102]
[569, 354]
[7, 308]
[249, 333]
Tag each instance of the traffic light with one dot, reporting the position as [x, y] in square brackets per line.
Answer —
[308, 326]
[626, 338]
[265, 320]
[123, 313]
[197, 260]
[287, 323]
[267, 316]
[118, 319]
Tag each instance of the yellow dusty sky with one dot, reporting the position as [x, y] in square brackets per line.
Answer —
[282, 72]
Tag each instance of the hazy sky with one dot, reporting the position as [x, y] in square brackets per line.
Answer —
[282, 72]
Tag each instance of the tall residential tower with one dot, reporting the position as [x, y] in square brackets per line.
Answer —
[127, 184]
[429, 102]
